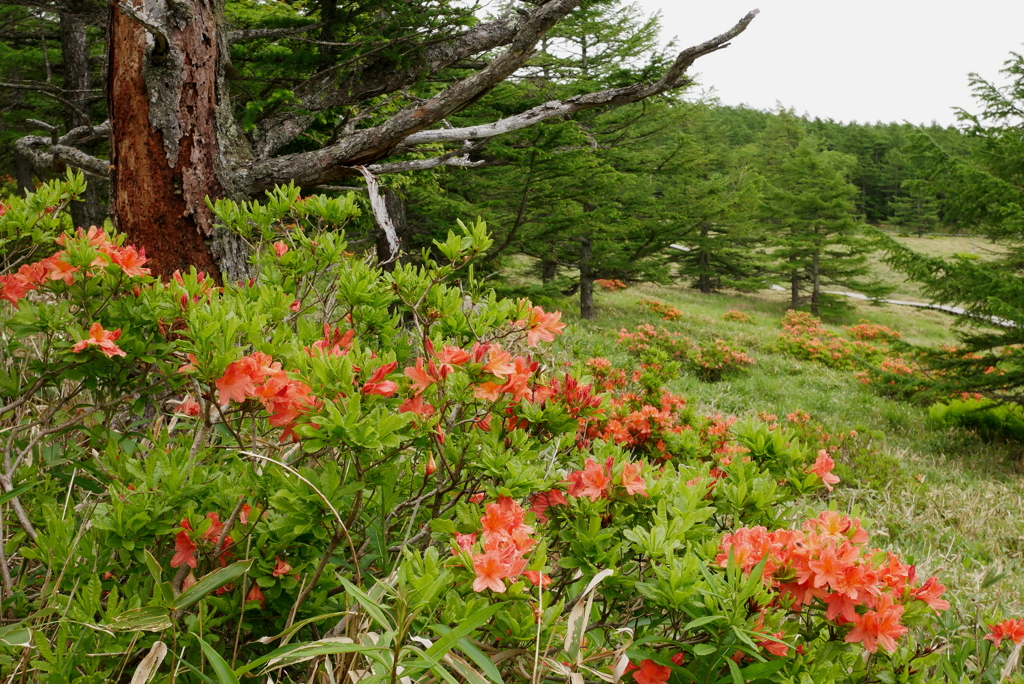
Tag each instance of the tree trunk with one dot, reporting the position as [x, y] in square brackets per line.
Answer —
[395, 206]
[587, 311]
[170, 124]
[76, 113]
[794, 287]
[548, 271]
[23, 174]
[704, 279]
[815, 287]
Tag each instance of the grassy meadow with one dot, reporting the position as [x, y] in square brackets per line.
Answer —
[948, 500]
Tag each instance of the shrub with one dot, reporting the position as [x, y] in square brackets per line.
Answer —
[709, 361]
[610, 285]
[804, 337]
[738, 316]
[666, 311]
[866, 331]
[336, 473]
[990, 419]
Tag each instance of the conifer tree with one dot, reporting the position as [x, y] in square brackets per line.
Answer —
[917, 207]
[816, 235]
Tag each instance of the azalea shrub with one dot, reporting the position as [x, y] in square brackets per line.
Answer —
[737, 316]
[666, 351]
[804, 337]
[666, 312]
[610, 284]
[332, 472]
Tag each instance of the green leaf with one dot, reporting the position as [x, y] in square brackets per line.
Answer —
[375, 610]
[286, 634]
[448, 641]
[475, 654]
[147, 619]
[703, 650]
[211, 582]
[295, 653]
[734, 670]
[17, 491]
[224, 673]
[693, 624]
[15, 635]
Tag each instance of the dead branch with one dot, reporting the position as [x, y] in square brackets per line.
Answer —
[262, 34]
[672, 79]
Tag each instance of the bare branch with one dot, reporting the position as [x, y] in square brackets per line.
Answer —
[462, 162]
[378, 76]
[613, 97]
[259, 34]
[44, 153]
[372, 144]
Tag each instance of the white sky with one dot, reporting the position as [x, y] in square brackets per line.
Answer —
[867, 61]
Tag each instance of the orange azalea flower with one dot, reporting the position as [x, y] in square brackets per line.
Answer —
[188, 407]
[58, 269]
[465, 541]
[184, 551]
[377, 385]
[212, 534]
[538, 579]
[879, 627]
[281, 569]
[831, 564]
[333, 343]
[418, 406]
[540, 502]
[421, 379]
[280, 249]
[499, 362]
[243, 514]
[238, 382]
[190, 581]
[488, 391]
[104, 339]
[540, 325]
[823, 468]
[256, 595]
[131, 261]
[930, 592]
[490, 571]
[1007, 629]
[652, 673]
[632, 481]
[14, 287]
[592, 482]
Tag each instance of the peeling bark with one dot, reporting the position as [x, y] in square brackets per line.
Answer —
[167, 135]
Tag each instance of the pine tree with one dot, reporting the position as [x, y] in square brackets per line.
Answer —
[812, 205]
[916, 208]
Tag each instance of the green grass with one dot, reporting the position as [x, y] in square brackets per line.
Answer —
[942, 497]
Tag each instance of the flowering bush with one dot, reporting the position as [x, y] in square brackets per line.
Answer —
[738, 316]
[667, 312]
[709, 361]
[804, 337]
[866, 331]
[336, 473]
[610, 285]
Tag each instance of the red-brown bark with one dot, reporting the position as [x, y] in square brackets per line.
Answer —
[162, 106]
